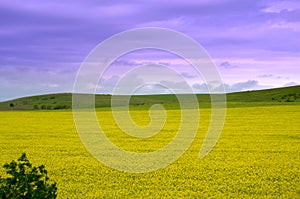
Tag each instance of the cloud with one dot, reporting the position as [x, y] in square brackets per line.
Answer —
[106, 86]
[19, 81]
[152, 89]
[281, 6]
[236, 87]
[242, 86]
[290, 84]
[139, 86]
[165, 87]
[123, 62]
[210, 87]
[51, 85]
[227, 65]
[188, 75]
[266, 76]
[201, 88]
[270, 76]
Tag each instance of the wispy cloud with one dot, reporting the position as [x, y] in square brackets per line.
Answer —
[227, 65]
[270, 76]
[188, 75]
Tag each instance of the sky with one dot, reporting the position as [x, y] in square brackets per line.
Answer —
[254, 44]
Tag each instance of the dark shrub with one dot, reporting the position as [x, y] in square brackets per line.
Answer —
[26, 181]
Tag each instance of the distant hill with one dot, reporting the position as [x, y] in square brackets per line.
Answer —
[285, 94]
[64, 100]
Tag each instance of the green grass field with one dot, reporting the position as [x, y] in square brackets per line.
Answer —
[64, 100]
[257, 155]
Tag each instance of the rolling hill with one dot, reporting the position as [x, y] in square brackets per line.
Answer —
[64, 100]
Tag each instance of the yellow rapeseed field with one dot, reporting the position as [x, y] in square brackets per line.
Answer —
[257, 155]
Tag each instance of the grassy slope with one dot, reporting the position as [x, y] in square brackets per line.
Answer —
[277, 94]
[64, 100]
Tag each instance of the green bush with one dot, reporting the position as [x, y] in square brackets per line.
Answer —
[26, 181]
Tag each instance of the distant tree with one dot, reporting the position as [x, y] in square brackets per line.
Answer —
[60, 106]
[36, 107]
[26, 181]
[292, 99]
[11, 105]
[57, 107]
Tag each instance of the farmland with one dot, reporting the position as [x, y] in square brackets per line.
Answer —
[257, 154]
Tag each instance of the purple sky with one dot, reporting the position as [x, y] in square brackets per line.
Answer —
[255, 44]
